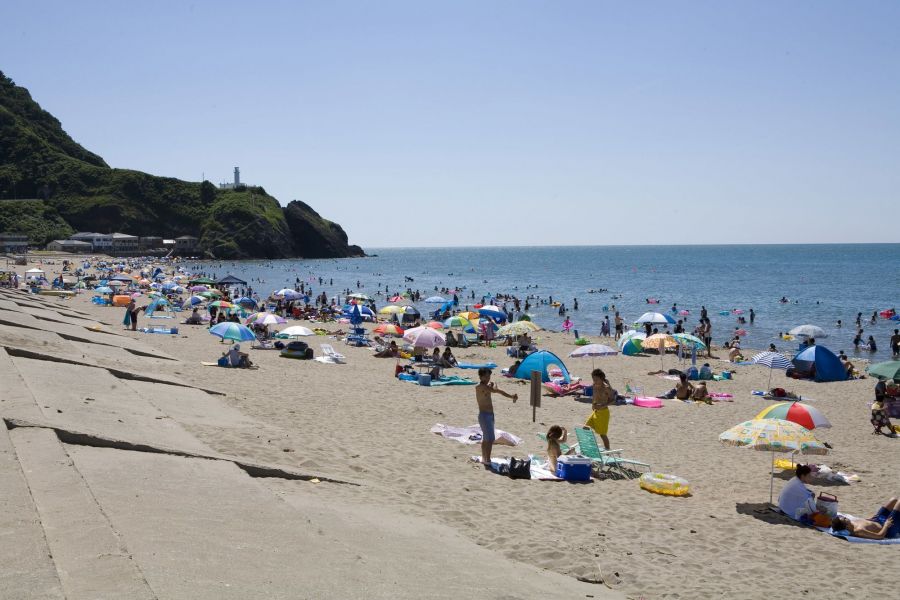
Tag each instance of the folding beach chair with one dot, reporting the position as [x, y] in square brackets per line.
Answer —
[330, 355]
[608, 462]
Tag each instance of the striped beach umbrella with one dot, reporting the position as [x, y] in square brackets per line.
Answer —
[265, 318]
[232, 331]
[593, 350]
[802, 414]
[773, 360]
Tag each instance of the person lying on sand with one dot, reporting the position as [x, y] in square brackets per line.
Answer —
[884, 525]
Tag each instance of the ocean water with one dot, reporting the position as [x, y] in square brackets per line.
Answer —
[824, 283]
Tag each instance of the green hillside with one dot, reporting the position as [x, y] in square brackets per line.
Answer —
[77, 190]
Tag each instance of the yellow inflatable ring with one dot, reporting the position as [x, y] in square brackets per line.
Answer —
[667, 485]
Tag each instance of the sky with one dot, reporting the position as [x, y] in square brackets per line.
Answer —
[520, 122]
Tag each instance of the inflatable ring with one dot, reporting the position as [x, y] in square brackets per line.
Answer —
[667, 485]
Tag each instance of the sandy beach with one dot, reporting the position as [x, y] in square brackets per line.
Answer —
[414, 505]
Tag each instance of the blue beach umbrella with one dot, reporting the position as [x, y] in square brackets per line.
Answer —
[232, 331]
[104, 289]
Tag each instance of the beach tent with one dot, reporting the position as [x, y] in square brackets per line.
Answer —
[230, 280]
[160, 308]
[828, 366]
[541, 361]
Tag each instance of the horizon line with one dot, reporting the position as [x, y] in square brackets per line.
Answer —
[686, 245]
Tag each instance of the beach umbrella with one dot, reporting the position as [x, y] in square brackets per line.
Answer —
[457, 321]
[469, 315]
[220, 304]
[802, 414]
[808, 331]
[492, 312]
[655, 318]
[399, 298]
[391, 309]
[296, 331]
[659, 342]
[774, 435]
[885, 370]
[435, 300]
[689, 341]
[593, 350]
[424, 337]
[518, 328]
[265, 318]
[358, 296]
[198, 288]
[246, 301]
[434, 325]
[524, 317]
[232, 331]
[773, 360]
[103, 289]
[115, 283]
[389, 329]
[193, 301]
[288, 294]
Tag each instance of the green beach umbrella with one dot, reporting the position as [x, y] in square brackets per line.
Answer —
[885, 370]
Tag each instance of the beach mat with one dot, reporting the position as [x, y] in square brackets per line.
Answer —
[472, 435]
[539, 469]
[857, 540]
[465, 365]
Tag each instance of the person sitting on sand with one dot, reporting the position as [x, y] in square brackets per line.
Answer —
[555, 435]
[884, 525]
[436, 356]
[391, 351]
[451, 339]
[700, 393]
[796, 500]
[734, 355]
[483, 395]
[880, 418]
[238, 359]
[447, 358]
[195, 318]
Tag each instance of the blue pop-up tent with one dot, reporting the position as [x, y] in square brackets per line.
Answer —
[541, 361]
[828, 365]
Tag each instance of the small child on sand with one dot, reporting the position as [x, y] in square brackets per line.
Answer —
[555, 435]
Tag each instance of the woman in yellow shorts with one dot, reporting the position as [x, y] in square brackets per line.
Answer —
[601, 398]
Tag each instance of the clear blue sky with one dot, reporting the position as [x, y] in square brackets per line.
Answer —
[498, 123]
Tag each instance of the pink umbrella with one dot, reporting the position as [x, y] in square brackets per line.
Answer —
[424, 337]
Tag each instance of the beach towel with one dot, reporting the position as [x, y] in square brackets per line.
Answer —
[540, 470]
[465, 365]
[472, 435]
[446, 380]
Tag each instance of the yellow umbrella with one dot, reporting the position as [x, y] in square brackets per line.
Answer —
[470, 316]
[659, 342]
[518, 328]
[775, 435]
[391, 309]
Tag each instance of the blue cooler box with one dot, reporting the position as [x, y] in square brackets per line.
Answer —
[573, 468]
[424, 379]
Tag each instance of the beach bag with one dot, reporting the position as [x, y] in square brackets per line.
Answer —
[827, 504]
[519, 468]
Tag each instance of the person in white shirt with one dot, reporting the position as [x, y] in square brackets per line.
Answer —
[796, 500]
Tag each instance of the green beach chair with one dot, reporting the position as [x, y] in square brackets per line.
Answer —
[607, 461]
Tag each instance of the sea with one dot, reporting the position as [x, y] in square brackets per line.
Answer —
[822, 283]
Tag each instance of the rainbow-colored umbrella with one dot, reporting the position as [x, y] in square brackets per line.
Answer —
[802, 414]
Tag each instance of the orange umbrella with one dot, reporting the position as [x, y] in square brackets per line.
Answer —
[389, 329]
[434, 325]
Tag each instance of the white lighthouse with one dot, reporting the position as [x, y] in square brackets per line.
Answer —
[237, 176]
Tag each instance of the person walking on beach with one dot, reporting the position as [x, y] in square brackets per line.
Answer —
[483, 392]
[602, 395]
[619, 324]
[895, 344]
[134, 314]
[128, 310]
